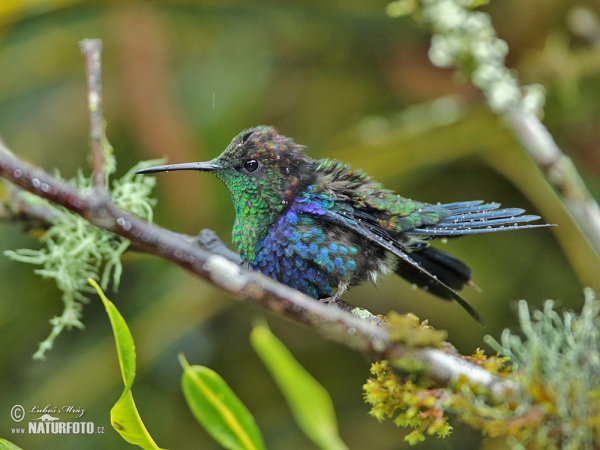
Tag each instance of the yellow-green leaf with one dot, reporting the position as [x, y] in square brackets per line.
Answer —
[7, 445]
[125, 418]
[310, 403]
[124, 415]
[218, 409]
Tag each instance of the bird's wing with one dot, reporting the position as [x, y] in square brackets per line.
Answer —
[344, 215]
[374, 204]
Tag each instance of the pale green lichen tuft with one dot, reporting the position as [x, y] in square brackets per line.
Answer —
[74, 250]
[555, 366]
[557, 363]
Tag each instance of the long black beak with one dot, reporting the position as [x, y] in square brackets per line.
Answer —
[200, 166]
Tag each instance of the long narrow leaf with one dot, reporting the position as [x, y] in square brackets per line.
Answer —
[218, 409]
[124, 416]
[310, 403]
[7, 445]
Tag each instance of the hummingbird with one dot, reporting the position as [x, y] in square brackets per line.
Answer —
[320, 227]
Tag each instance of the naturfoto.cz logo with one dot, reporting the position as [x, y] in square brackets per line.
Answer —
[48, 423]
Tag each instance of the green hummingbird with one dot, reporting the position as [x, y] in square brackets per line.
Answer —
[320, 227]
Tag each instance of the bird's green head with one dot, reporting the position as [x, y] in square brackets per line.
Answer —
[263, 171]
[269, 167]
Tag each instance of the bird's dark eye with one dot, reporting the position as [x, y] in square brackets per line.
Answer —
[251, 165]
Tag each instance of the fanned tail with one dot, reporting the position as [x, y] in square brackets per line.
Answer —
[446, 268]
[475, 217]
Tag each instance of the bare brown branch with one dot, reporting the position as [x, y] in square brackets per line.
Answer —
[31, 217]
[92, 51]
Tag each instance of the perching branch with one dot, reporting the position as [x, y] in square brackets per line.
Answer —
[331, 322]
[353, 327]
[31, 217]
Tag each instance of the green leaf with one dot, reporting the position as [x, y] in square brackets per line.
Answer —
[309, 401]
[218, 409]
[7, 445]
[124, 416]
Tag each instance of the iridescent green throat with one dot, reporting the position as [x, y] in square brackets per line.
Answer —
[257, 205]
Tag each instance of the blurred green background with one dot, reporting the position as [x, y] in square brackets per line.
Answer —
[181, 79]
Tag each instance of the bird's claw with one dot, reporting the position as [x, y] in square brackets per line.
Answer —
[335, 297]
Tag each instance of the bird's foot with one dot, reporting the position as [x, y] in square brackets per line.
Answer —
[335, 297]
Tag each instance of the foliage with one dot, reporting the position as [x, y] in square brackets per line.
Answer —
[75, 250]
[309, 401]
[218, 409]
[124, 415]
[416, 404]
[557, 363]
[555, 369]
[214, 404]
[408, 329]
[415, 401]
[7, 445]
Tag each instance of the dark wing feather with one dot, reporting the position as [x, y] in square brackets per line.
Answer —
[343, 216]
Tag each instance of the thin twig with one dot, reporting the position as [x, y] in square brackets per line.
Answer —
[92, 51]
[31, 217]
[559, 170]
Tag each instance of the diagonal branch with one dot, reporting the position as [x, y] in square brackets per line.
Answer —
[353, 327]
[559, 170]
[329, 321]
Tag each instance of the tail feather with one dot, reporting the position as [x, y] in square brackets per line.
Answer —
[490, 214]
[474, 217]
[447, 268]
[470, 206]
